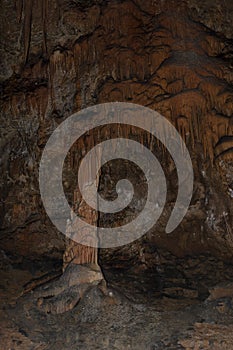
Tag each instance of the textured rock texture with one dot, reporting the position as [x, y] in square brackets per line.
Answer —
[58, 57]
[113, 321]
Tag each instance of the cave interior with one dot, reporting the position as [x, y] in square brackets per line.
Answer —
[161, 290]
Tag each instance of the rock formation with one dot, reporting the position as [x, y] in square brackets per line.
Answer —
[58, 57]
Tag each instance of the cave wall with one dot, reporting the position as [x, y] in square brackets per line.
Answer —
[58, 57]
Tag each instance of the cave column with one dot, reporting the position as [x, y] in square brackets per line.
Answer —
[76, 253]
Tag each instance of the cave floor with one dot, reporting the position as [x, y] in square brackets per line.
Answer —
[141, 311]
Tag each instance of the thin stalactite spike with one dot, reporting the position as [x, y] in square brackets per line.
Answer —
[27, 10]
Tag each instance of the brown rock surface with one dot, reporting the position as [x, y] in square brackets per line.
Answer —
[58, 57]
[221, 291]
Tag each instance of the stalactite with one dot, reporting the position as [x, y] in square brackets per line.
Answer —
[141, 71]
[208, 146]
[44, 4]
[182, 125]
[59, 64]
[42, 100]
[128, 68]
[198, 126]
[15, 106]
[27, 10]
[85, 52]
[77, 57]
[191, 132]
[98, 160]
[32, 103]
[222, 128]
[195, 126]
[19, 9]
[111, 21]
